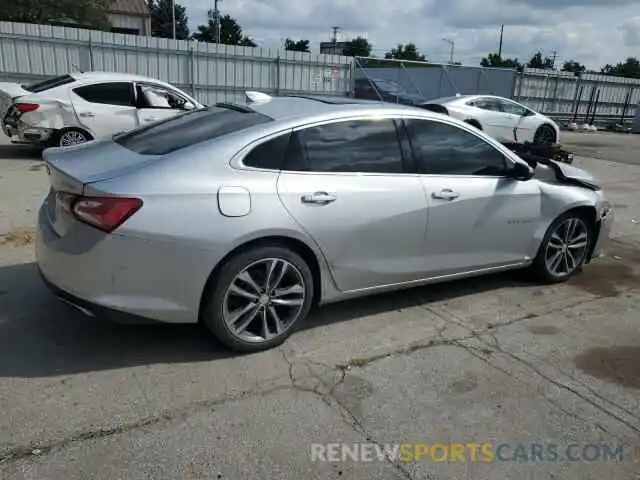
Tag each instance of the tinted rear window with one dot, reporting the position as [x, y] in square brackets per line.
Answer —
[49, 84]
[188, 129]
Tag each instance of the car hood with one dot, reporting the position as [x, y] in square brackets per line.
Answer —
[567, 174]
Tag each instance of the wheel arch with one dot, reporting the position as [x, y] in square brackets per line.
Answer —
[298, 246]
[546, 124]
[61, 131]
[588, 212]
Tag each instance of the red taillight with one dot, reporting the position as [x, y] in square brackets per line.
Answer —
[27, 107]
[105, 213]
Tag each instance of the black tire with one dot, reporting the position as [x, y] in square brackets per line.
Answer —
[545, 135]
[474, 123]
[57, 138]
[213, 313]
[542, 267]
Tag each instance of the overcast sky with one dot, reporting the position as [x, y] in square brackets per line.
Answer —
[593, 32]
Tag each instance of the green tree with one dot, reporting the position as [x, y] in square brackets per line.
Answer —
[573, 66]
[405, 52]
[90, 13]
[296, 46]
[357, 47]
[162, 20]
[496, 61]
[230, 33]
[629, 68]
[538, 61]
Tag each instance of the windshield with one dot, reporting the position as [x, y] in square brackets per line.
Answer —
[49, 83]
[389, 86]
[188, 129]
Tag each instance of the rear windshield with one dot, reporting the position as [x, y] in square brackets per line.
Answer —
[189, 129]
[49, 83]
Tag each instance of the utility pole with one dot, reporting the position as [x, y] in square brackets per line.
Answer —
[173, 17]
[553, 59]
[334, 38]
[500, 47]
[215, 18]
[451, 47]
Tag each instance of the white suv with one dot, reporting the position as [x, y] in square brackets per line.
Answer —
[75, 108]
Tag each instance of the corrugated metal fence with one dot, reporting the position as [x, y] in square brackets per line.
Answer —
[568, 97]
[211, 72]
[562, 95]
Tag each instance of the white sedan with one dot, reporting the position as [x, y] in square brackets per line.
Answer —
[76, 108]
[501, 118]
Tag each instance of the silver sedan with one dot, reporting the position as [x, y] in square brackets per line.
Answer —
[244, 216]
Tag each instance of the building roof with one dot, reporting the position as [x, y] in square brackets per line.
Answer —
[129, 7]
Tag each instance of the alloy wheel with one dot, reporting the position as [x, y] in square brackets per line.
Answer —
[264, 300]
[567, 247]
[72, 137]
[546, 136]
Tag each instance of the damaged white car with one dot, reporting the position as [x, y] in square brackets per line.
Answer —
[76, 108]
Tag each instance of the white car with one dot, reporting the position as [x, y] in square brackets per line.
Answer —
[501, 118]
[76, 108]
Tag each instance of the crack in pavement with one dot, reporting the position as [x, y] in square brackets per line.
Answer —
[328, 396]
[561, 385]
[20, 452]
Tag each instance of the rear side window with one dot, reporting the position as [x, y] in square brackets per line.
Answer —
[113, 93]
[269, 154]
[188, 129]
[368, 146]
[49, 84]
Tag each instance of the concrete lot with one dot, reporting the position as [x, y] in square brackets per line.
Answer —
[493, 359]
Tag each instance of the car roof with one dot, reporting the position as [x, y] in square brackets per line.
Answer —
[292, 107]
[112, 76]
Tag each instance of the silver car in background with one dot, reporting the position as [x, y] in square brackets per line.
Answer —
[245, 216]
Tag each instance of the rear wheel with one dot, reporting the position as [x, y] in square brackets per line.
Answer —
[258, 297]
[564, 249]
[545, 135]
[71, 136]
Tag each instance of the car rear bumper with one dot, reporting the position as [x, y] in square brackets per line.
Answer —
[21, 133]
[119, 277]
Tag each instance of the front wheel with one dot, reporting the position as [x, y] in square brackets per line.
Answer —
[258, 297]
[564, 249]
[545, 135]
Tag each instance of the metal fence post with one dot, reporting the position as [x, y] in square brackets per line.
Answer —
[91, 65]
[193, 46]
[278, 74]
[522, 74]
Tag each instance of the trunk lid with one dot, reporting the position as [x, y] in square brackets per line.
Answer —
[71, 169]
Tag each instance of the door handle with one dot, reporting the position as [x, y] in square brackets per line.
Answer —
[319, 198]
[446, 194]
[87, 115]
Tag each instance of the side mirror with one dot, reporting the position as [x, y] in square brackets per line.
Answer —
[188, 106]
[521, 171]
